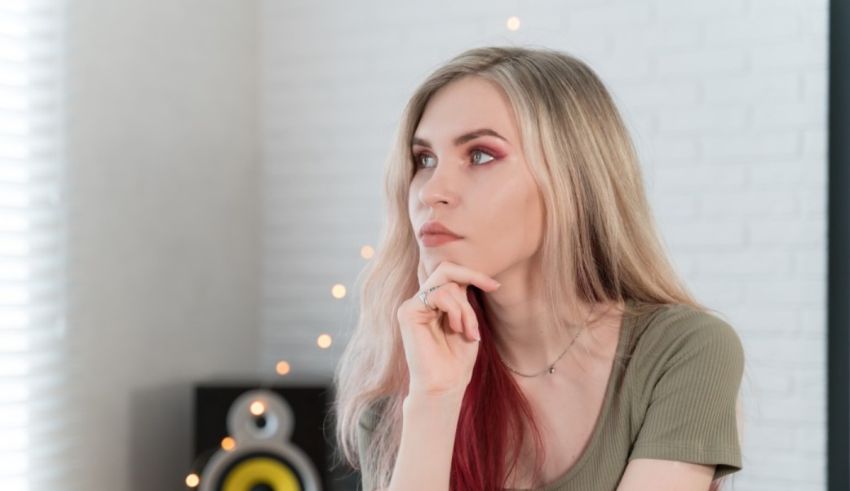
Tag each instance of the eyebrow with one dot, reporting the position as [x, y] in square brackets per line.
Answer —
[462, 138]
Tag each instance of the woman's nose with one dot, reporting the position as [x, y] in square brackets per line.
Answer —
[441, 185]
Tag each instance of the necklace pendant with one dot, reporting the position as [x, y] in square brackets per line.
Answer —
[552, 369]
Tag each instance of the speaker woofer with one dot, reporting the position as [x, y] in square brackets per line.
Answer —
[264, 459]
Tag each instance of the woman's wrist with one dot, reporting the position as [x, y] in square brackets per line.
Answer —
[429, 424]
[443, 399]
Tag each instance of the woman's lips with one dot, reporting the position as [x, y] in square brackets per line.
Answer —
[432, 240]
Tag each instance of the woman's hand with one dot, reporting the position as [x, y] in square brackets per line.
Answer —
[441, 345]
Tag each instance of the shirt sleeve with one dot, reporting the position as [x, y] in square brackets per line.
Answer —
[691, 415]
[365, 428]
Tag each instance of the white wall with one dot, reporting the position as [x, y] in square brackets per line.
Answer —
[163, 227]
[727, 103]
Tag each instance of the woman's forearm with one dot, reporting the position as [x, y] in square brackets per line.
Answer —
[427, 441]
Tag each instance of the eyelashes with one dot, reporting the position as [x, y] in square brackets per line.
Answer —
[417, 163]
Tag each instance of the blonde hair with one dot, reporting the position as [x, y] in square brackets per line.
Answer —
[600, 241]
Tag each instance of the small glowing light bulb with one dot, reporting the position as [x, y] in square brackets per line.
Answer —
[228, 443]
[324, 341]
[513, 23]
[338, 291]
[282, 368]
[366, 252]
[257, 408]
[192, 480]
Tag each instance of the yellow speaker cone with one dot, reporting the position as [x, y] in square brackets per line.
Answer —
[254, 472]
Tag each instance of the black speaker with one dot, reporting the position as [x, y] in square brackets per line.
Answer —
[262, 437]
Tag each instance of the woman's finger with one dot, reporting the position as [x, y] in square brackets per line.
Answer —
[447, 271]
[470, 321]
[447, 303]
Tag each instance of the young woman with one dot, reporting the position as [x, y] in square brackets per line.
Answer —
[520, 325]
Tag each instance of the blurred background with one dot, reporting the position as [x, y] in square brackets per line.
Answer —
[190, 188]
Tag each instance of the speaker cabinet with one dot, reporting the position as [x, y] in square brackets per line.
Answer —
[261, 437]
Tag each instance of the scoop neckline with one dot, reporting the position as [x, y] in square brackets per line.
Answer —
[600, 424]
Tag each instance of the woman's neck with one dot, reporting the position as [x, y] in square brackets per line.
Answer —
[529, 346]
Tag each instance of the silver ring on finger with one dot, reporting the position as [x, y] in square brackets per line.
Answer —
[423, 295]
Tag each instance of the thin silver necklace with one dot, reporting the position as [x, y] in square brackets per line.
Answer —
[551, 368]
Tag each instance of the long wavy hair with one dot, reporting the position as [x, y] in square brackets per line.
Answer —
[600, 244]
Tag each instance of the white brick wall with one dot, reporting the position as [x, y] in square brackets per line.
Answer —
[727, 103]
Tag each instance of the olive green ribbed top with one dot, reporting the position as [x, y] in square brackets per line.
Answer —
[672, 396]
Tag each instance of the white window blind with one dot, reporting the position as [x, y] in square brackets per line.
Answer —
[32, 250]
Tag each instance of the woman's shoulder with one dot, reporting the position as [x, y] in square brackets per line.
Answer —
[370, 416]
[672, 331]
[368, 419]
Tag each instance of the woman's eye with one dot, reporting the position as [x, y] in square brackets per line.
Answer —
[482, 152]
[417, 159]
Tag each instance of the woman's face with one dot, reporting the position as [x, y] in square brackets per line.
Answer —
[471, 176]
